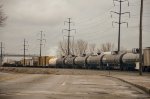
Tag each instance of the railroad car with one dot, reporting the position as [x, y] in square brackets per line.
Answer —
[95, 61]
[69, 61]
[129, 61]
[146, 53]
[60, 62]
[80, 62]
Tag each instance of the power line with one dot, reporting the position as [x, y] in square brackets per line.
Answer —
[120, 14]
[89, 19]
[146, 30]
[96, 24]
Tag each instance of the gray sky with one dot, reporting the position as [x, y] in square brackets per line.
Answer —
[26, 18]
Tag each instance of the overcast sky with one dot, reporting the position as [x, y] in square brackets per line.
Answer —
[93, 22]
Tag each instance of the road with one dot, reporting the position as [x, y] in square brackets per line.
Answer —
[44, 86]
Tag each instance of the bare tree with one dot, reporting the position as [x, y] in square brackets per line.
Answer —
[78, 47]
[81, 46]
[62, 48]
[2, 16]
[99, 51]
[72, 47]
[107, 47]
[92, 48]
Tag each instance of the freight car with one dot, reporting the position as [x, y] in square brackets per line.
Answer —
[59, 62]
[113, 61]
[95, 61]
[129, 61]
[69, 62]
[80, 62]
[146, 56]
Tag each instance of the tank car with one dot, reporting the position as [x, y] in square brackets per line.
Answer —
[129, 61]
[112, 61]
[60, 62]
[69, 62]
[80, 61]
[95, 61]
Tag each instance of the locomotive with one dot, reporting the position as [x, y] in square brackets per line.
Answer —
[114, 60]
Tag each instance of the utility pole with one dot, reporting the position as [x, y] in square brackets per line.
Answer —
[73, 48]
[140, 38]
[69, 30]
[1, 54]
[24, 51]
[41, 43]
[120, 14]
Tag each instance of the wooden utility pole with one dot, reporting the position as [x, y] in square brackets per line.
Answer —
[140, 38]
[1, 59]
[24, 51]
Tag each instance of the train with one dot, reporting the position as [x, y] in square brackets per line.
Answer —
[114, 60]
[104, 61]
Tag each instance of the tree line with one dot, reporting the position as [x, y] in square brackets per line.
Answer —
[81, 47]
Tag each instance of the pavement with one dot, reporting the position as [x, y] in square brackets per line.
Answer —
[142, 82]
[52, 86]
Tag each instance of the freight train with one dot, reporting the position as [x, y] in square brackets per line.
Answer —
[127, 60]
[114, 60]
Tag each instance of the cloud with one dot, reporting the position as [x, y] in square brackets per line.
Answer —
[32, 12]
[26, 18]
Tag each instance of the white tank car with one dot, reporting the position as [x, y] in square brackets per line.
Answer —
[52, 62]
[130, 58]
